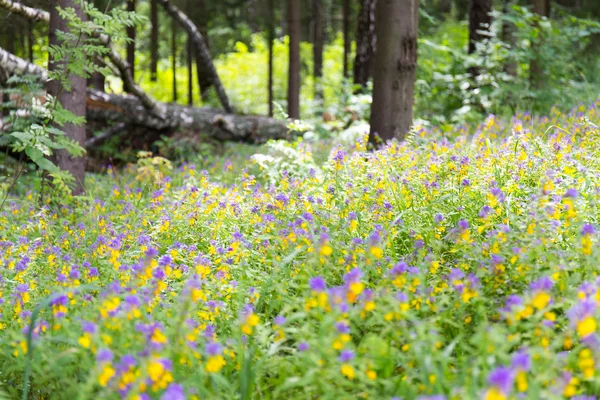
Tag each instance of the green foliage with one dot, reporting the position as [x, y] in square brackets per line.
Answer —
[35, 123]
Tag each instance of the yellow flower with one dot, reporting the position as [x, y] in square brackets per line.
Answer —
[107, 373]
[494, 394]
[357, 288]
[215, 363]
[586, 327]
[158, 337]
[522, 381]
[372, 375]
[377, 251]
[155, 370]
[325, 250]
[348, 371]
[85, 341]
[541, 300]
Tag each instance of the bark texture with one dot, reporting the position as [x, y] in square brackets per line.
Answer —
[72, 100]
[174, 58]
[131, 33]
[271, 19]
[293, 92]
[190, 65]
[479, 22]
[366, 42]
[154, 41]
[318, 45]
[201, 50]
[396, 62]
[346, 32]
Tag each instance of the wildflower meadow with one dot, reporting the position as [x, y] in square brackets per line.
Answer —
[453, 265]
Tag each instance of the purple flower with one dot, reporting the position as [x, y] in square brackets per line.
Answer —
[173, 392]
[104, 355]
[89, 327]
[438, 218]
[213, 349]
[303, 346]
[342, 327]
[521, 361]
[502, 378]
[463, 225]
[318, 284]
[571, 192]
[588, 229]
[279, 320]
[346, 355]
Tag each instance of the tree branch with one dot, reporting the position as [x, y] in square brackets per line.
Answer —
[125, 71]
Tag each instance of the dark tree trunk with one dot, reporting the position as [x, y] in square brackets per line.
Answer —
[346, 30]
[479, 22]
[395, 65]
[293, 94]
[271, 38]
[97, 81]
[72, 100]
[365, 42]
[154, 41]
[131, 33]
[30, 40]
[190, 69]
[536, 72]
[174, 57]
[204, 77]
[318, 45]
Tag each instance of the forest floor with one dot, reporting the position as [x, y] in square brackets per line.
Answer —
[461, 265]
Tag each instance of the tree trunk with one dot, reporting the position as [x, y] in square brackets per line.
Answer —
[72, 100]
[536, 72]
[174, 57]
[293, 93]
[30, 40]
[479, 22]
[204, 77]
[346, 29]
[271, 38]
[131, 44]
[318, 45]
[97, 81]
[190, 68]
[395, 65]
[365, 42]
[201, 50]
[154, 41]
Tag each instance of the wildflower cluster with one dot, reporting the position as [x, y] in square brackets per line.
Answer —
[434, 268]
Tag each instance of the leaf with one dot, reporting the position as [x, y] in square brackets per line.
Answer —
[34, 154]
[46, 165]
[24, 137]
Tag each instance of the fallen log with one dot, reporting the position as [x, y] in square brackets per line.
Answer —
[112, 109]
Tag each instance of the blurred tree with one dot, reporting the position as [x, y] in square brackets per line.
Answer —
[293, 96]
[153, 40]
[347, 39]
[480, 20]
[72, 99]
[318, 45]
[365, 42]
[396, 26]
[271, 39]
[131, 33]
[174, 57]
